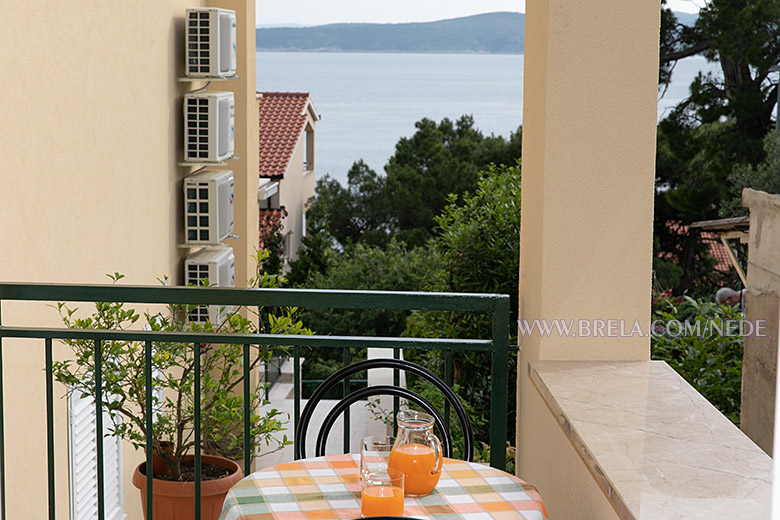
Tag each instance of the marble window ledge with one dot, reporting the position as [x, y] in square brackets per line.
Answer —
[656, 447]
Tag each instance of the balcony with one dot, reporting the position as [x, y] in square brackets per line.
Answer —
[589, 134]
[100, 340]
[631, 435]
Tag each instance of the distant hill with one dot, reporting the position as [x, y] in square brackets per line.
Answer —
[484, 33]
[500, 33]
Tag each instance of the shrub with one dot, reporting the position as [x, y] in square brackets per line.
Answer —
[693, 337]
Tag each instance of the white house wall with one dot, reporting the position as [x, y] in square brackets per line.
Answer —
[295, 190]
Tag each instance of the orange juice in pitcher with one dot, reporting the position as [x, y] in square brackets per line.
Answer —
[416, 452]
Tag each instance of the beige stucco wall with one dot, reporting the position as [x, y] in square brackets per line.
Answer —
[91, 136]
[295, 190]
[588, 168]
[247, 137]
[556, 468]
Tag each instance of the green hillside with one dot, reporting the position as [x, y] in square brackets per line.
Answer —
[484, 33]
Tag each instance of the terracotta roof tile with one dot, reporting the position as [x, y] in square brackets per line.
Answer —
[715, 247]
[282, 116]
[717, 250]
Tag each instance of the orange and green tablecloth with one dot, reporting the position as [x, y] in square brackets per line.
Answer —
[326, 488]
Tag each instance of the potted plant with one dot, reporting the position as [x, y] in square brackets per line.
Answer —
[124, 393]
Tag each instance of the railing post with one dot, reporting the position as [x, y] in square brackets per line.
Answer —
[197, 429]
[296, 387]
[347, 386]
[448, 382]
[149, 389]
[248, 440]
[101, 499]
[500, 384]
[2, 431]
[265, 378]
[396, 382]
[50, 427]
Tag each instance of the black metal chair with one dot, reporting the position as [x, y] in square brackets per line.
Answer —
[398, 364]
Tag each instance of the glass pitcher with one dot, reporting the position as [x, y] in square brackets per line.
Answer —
[416, 452]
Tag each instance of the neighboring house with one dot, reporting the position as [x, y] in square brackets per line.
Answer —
[286, 164]
[711, 239]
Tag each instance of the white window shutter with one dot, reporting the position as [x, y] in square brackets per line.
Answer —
[83, 463]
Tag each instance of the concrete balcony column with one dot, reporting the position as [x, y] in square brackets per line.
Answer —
[589, 127]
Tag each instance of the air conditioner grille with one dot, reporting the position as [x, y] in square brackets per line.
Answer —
[218, 265]
[199, 60]
[198, 212]
[196, 275]
[197, 128]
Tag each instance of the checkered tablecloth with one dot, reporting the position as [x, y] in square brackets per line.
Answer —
[326, 488]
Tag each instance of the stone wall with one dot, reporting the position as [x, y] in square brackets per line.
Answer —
[762, 305]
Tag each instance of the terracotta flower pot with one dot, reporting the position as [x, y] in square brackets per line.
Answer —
[176, 500]
[159, 467]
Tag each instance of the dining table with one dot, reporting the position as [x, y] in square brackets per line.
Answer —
[325, 488]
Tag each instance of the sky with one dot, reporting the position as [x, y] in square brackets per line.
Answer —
[319, 12]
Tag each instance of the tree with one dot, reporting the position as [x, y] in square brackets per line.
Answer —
[122, 379]
[764, 176]
[479, 248]
[437, 160]
[721, 125]
[314, 246]
[360, 266]
[744, 36]
[359, 212]
[272, 244]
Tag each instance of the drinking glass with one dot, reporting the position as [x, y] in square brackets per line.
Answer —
[374, 453]
[382, 493]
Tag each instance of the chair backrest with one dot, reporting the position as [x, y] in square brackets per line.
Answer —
[398, 364]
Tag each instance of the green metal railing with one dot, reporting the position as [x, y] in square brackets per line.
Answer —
[495, 305]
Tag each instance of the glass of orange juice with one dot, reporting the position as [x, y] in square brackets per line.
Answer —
[382, 493]
[416, 452]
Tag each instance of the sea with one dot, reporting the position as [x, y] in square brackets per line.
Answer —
[368, 101]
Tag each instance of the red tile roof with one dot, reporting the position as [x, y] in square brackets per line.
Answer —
[282, 119]
[718, 251]
[270, 220]
[714, 246]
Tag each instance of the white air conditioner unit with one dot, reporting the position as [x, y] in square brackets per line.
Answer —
[209, 126]
[211, 43]
[208, 207]
[218, 265]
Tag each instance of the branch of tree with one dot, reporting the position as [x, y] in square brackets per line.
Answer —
[684, 53]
